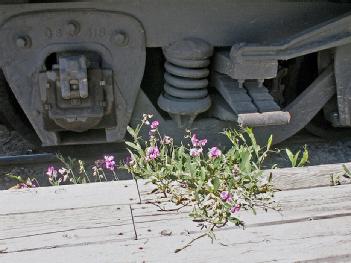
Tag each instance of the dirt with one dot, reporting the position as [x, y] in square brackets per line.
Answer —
[11, 143]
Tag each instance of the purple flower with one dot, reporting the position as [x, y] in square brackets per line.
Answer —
[195, 152]
[152, 153]
[154, 124]
[235, 208]
[22, 186]
[51, 172]
[214, 152]
[32, 183]
[226, 196]
[109, 162]
[196, 142]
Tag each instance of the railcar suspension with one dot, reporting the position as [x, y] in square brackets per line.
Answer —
[185, 89]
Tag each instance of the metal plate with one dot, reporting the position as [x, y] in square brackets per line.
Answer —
[28, 39]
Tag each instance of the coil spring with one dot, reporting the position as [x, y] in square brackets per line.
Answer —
[185, 88]
[184, 82]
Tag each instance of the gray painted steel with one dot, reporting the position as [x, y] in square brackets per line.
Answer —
[250, 39]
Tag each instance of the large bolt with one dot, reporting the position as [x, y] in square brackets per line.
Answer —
[120, 39]
[23, 42]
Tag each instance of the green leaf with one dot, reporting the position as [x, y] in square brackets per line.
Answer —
[131, 131]
[292, 157]
[347, 170]
[269, 142]
[216, 184]
[304, 158]
[133, 145]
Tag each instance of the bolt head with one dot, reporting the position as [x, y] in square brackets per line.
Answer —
[335, 115]
[120, 39]
[23, 42]
[72, 28]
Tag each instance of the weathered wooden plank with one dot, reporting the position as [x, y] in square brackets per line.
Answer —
[281, 243]
[87, 226]
[309, 176]
[325, 240]
[283, 179]
[299, 205]
[68, 196]
[65, 228]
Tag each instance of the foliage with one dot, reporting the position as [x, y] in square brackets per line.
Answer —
[23, 183]
[75, 172]
[294, 158]
[217, 185]
[347, 171]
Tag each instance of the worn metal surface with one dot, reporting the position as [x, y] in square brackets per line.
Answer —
[77, 103]
[119, 32]
[249, 105]
[261, 61]
[342, 68]
[166, 21]
[23, 64]
[185, 90]
[303, 108]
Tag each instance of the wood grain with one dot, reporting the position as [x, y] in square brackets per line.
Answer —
[283, 179]
[327, 239]
[68, 196]
[300, 205]
[63, 228]
[100, 222]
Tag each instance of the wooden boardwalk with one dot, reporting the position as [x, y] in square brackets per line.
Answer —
[107, 222]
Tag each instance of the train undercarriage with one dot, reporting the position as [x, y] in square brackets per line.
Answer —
[77, 72]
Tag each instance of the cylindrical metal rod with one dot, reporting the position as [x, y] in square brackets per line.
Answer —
[27, 159]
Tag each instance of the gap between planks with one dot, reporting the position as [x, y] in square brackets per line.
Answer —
[301, 208]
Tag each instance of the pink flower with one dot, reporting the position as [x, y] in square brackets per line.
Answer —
[195, 152]
[214, 152]
[51, 172]
[152, 153]
[31, 183]
[235, 208]
[196, 142]
[154, 124]
[226, 196]
[109, 162]
[22, 186]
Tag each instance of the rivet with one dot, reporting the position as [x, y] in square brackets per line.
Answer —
[23, 42]
[120, 39]
[72, 28]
